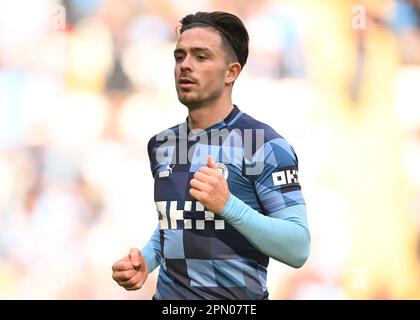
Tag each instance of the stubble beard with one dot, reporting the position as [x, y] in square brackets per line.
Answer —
[191, 103]
[199, 100]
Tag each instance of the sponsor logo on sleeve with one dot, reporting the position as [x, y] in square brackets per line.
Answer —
[287, 177]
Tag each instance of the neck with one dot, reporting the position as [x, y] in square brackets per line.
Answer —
[207, 115]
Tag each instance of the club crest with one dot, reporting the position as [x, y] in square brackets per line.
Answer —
[223, 169]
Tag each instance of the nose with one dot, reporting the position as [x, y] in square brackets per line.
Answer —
[186, 64]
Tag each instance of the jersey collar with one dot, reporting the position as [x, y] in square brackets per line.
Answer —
[226, 122]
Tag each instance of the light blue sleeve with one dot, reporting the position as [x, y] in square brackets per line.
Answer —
[283, 235]
[151, 251]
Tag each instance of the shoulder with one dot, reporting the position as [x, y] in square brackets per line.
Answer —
[270, 138]
[165, 136]
[248, 122]
[272, 151]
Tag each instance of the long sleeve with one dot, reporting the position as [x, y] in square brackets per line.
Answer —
[151, 251]
[283, 235]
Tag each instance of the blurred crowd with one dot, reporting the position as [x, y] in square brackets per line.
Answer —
[84, 84]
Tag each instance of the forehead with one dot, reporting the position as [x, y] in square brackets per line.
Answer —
[200, 38]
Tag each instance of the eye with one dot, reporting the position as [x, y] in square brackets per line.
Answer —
[201, 58]
[179, 58]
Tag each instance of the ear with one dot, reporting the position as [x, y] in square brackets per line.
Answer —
[232, 72]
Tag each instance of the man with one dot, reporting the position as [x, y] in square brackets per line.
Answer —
[226, 186]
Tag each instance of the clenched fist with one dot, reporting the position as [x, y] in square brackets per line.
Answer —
[131, 271]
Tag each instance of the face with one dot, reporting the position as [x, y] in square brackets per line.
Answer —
[200, 67]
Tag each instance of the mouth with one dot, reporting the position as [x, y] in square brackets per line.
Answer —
[185, 83]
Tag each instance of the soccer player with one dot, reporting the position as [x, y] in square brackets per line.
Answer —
[226, 185]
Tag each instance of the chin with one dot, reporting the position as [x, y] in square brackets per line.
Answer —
[191, 104]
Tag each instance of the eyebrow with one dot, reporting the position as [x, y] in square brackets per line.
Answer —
[194, 49]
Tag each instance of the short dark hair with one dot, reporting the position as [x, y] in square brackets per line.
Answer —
[230, 27]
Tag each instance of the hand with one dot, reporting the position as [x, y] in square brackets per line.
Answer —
[209, 187]
[131, 271]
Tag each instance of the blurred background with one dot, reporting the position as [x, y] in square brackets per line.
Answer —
[84, 84]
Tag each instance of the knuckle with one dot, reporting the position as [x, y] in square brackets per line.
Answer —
[118, 278]
[124, 276]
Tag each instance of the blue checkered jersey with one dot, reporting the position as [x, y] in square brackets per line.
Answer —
[201, 255]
